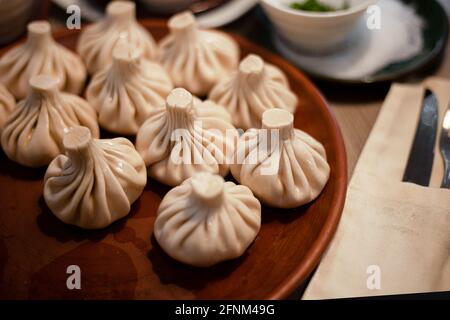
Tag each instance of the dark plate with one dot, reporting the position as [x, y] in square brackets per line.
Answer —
[435, 35]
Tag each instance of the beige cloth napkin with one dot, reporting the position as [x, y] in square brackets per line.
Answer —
[393, 237]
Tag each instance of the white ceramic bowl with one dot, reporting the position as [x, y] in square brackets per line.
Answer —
[315, 31]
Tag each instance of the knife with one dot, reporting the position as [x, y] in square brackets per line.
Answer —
[445, 148]
[421, 156]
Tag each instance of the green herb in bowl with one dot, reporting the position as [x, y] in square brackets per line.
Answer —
[316, 6]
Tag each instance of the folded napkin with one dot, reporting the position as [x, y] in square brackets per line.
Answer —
[393, 237]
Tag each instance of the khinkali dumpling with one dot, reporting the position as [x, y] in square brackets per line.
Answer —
[185, 137]
[96, 182]
[40, 54]
[7, 103]
[97, 41]
[254, 88]
[33, 134]
[196, 59]
[124, 93]
[206, 220]
[283, 166]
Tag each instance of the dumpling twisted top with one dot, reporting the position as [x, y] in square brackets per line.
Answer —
[96, 182]
[254, 88]
[185, 137]
[124, 93]
[283, 166]
[33, 134]
[97, 41]
[40, 54]
[7, 103]
[196, 59]
[206, 220]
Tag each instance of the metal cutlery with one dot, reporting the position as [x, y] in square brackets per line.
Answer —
[420, 162]
[444, 145]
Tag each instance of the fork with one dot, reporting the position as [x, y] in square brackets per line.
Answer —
[445, 149]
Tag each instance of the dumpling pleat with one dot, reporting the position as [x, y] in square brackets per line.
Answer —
[201, 234]
[95, 186]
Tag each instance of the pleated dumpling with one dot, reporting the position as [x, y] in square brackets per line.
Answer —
[283, 166]
[196, 59]
[7, 104]
[185, 137]
[40, 54]
[254, 88]
[97, 41]
[125, 92]
[206, 220]
[33, 133]
[95, 182]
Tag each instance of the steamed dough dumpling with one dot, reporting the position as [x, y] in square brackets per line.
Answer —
[97, 41]
[196, 59]
[41, 54]
[95, 182]
[125, 92]
[206, 220]
[185, 137]
[33, 133]
[252, 89]
[283, 166]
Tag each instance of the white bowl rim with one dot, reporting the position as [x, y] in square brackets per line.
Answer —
[276, 4]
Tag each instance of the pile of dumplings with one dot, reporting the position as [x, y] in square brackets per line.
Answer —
[151, 92]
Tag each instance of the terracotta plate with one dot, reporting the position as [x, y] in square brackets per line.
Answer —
[124, 261]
